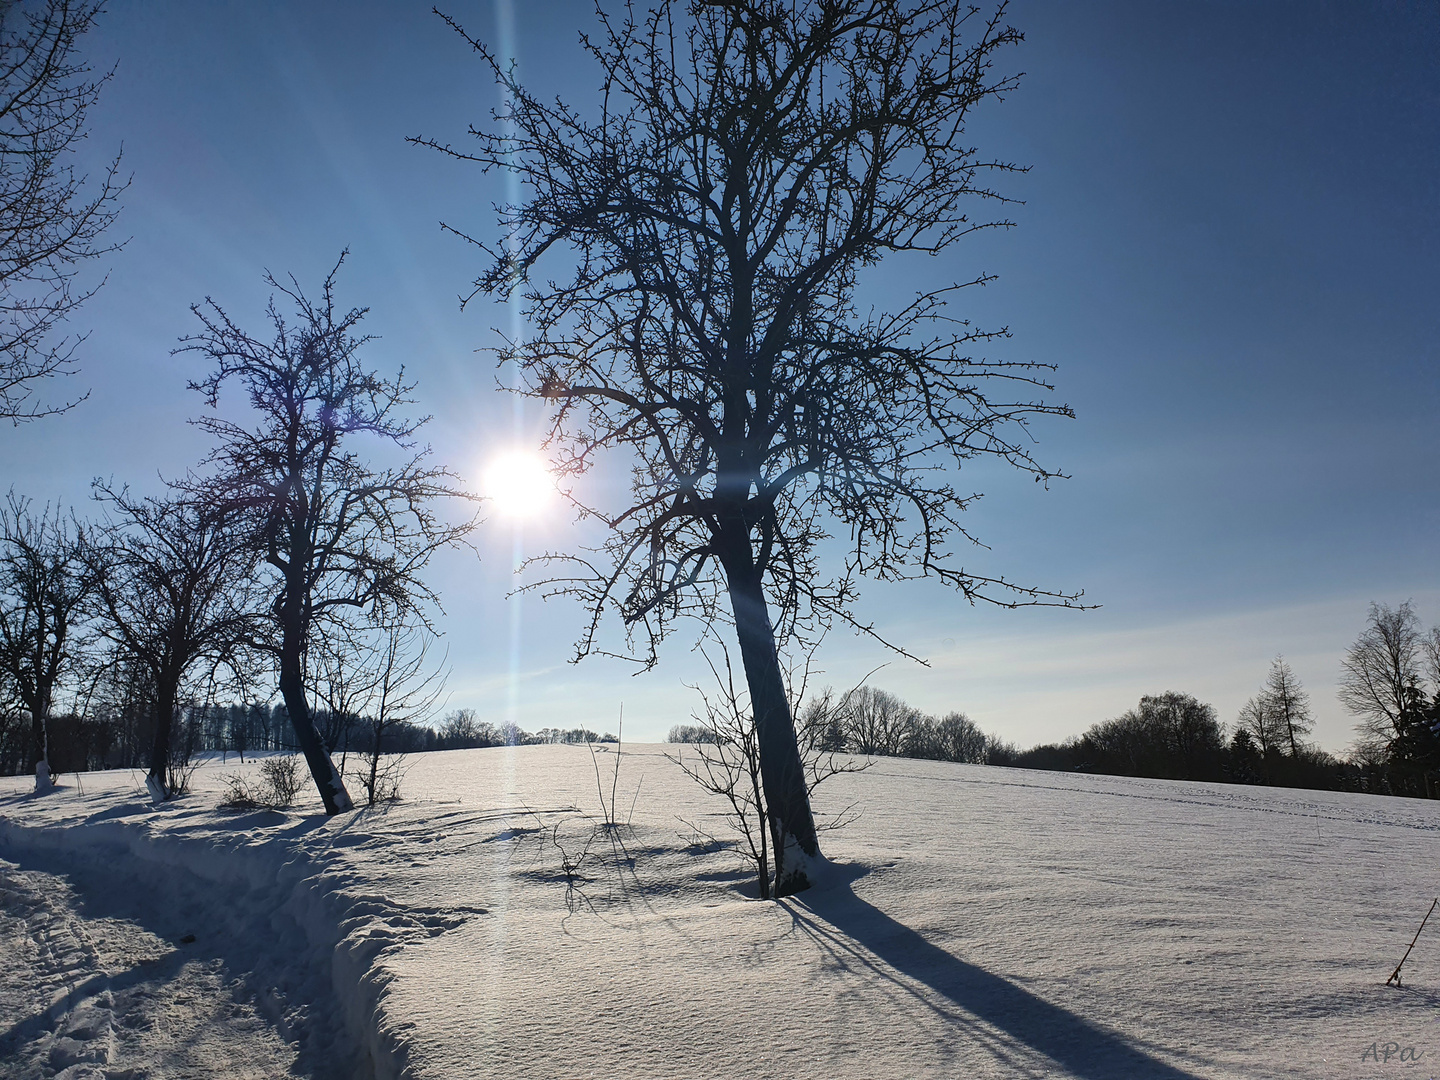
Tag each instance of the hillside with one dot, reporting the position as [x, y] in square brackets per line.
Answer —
[976, 922]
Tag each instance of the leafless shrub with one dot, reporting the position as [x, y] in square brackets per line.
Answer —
[730, 765]
[278, 784]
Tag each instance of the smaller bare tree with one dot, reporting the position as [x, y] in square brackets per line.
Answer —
[1257, 719]
[174, 588]
[44, 590]
[728, 762]
[876, 721]
[1289, 704]
[958, 738]
[407, 690]
[345, 669]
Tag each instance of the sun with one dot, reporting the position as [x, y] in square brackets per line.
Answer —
[519, 484]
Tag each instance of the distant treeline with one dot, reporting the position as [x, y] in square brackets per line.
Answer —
[118, 736]
[872, 722]
[1167, 736]
[1173, 736]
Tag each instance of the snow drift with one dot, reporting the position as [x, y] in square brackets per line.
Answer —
[974, 921]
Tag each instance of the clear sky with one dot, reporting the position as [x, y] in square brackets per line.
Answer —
[1229, 243]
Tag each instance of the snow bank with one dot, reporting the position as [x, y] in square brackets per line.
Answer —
[308, 929]
[974, 922]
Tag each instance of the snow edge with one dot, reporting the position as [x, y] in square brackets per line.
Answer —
[344, 931]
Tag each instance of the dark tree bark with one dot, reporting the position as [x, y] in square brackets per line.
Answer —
[165, 697]
[792, 824]
[292, 689]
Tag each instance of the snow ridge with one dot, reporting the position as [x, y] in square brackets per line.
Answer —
[312, 941]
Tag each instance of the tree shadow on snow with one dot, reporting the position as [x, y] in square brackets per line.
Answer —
[856, 932]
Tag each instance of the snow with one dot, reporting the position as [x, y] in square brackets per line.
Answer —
[974, 922]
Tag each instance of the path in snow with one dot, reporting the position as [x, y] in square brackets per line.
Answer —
[89, 990]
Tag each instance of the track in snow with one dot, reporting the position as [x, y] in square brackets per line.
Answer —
[89, 991]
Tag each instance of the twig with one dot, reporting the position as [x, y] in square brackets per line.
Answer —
[599, 784]
[1395, 975]
[631, 815]
[615, 782]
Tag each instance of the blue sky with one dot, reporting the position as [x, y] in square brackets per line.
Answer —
[1229, 243]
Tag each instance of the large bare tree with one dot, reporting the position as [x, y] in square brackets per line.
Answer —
[1383, 675]
[339, 534]
[52, 218]
[710, 222]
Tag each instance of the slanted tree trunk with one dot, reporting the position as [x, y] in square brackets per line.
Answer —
[292, 689]
[787, 798]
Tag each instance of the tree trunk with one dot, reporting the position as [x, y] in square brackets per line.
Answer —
[292, 689]
[40, 752]
[157, 781]
[40, 740]
[787, 798]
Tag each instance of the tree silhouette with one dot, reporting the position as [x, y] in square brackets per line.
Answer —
[174, 580]
[1380, 673]
[338, 533]
[745, 169]
[52, 219]
[1289, 704]
[44, 590]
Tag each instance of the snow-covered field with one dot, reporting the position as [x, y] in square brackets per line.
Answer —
[977, 922]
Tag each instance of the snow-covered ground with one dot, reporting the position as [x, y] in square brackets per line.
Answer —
[977, 922]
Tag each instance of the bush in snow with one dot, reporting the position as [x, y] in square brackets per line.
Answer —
[276, 788]
[728, 764]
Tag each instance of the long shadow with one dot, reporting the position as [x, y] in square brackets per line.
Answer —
[846, 924]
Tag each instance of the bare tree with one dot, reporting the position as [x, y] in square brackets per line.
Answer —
[876, 721]
[958, 738]
[727, 761]
[345, 668]
[748, 165]
[174, 580]
[1380, 672]
[1288, 703]
[52, 219]
[1257, 720]
[338, 533]
[44, 588]
[406, 690]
